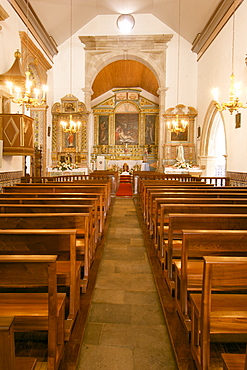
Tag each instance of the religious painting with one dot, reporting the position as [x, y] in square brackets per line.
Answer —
[70, 140]
[180, 136]
[126, 128]
[150, 129]
[103, 130]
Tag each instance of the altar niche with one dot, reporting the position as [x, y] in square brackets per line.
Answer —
[126, 125]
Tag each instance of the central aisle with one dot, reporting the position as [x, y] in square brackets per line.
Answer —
[126, 328]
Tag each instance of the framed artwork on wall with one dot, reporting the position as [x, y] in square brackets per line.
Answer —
[103, 130]
[150, 129]
[126, 128]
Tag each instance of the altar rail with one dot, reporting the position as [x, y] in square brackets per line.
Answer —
[71, 178]
[141, 175]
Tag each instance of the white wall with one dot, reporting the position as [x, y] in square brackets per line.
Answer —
[214, 70]
[106, 25]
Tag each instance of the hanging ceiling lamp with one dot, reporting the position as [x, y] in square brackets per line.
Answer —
[234, 103]
[68, 124]
[125, 23]
[20, 86]
[179, 123]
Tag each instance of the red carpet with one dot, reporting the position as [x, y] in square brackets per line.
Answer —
[124, 190]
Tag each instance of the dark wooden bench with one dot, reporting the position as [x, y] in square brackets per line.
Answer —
[61, 243]
[90, 201]
[78, 221]
[191, 193]
[34, 311]
[172, 240]
[187, 221]
[189, 269]
[155, 220]
[8, 361]
[68, 188]
[61, 208]
[223, 313]
[234, 361]
[100, 196]
[63, 187]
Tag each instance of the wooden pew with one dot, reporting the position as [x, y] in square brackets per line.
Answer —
[187, 221]
[234, 361]
[173, 237]
[221, 313]
[34, 311]
[155, 220]
[77, 186]
[62, 208]
[78, 221]
[65, 190]
[8, 361]
[192, 193]
[61, 243]
[74, 196]
[91, 201]
[189, 270]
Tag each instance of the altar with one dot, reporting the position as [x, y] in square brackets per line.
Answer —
[74, 172]
[193, 171]
[111, 163]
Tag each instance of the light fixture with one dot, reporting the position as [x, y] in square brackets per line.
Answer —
[234, 103]
[179, 123]
[125, 23]
[20, 86]
[68, 125]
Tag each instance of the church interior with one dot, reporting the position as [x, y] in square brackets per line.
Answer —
[125, 193]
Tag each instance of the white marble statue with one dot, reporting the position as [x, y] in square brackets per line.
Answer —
[180, 154]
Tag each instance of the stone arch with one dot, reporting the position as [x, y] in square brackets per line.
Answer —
[207, 160]
[149, 50]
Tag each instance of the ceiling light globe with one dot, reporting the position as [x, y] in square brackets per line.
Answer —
[125, 23]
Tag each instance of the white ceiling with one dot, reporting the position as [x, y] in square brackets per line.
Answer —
[55, 15]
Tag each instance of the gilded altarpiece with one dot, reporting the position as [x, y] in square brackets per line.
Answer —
[173, 140]
[126, 127]
[67, 146]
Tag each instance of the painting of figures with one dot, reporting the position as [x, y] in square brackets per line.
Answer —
[126, 128]
[103, 130]
[150, 129]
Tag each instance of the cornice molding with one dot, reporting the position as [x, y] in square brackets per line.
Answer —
[35, 27]
[220, 17]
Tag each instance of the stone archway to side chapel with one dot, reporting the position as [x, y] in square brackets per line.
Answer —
[149, 50]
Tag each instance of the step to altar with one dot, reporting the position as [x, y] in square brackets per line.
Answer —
[125, 178]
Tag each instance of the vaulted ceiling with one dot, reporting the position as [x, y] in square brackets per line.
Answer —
[200, 21]
[124, 73]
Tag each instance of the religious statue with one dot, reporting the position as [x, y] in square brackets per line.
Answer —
[180, 154]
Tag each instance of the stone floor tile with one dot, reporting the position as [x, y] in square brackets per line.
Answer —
[93, 333]
[110, 296]
[120, 255]
[147, 315]
[135, 336]
[105, 358]
[128, 282]
[154, 359]
[141, 298]
[110, 313]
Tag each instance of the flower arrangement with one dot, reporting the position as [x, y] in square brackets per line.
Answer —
[180, 164]
[65, 166]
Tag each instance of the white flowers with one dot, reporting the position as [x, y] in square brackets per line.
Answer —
[64, 166]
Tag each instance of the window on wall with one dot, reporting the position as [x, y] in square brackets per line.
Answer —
[217, 145]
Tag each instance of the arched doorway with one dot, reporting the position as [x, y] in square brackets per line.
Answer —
[213, 144]
[217, 146]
